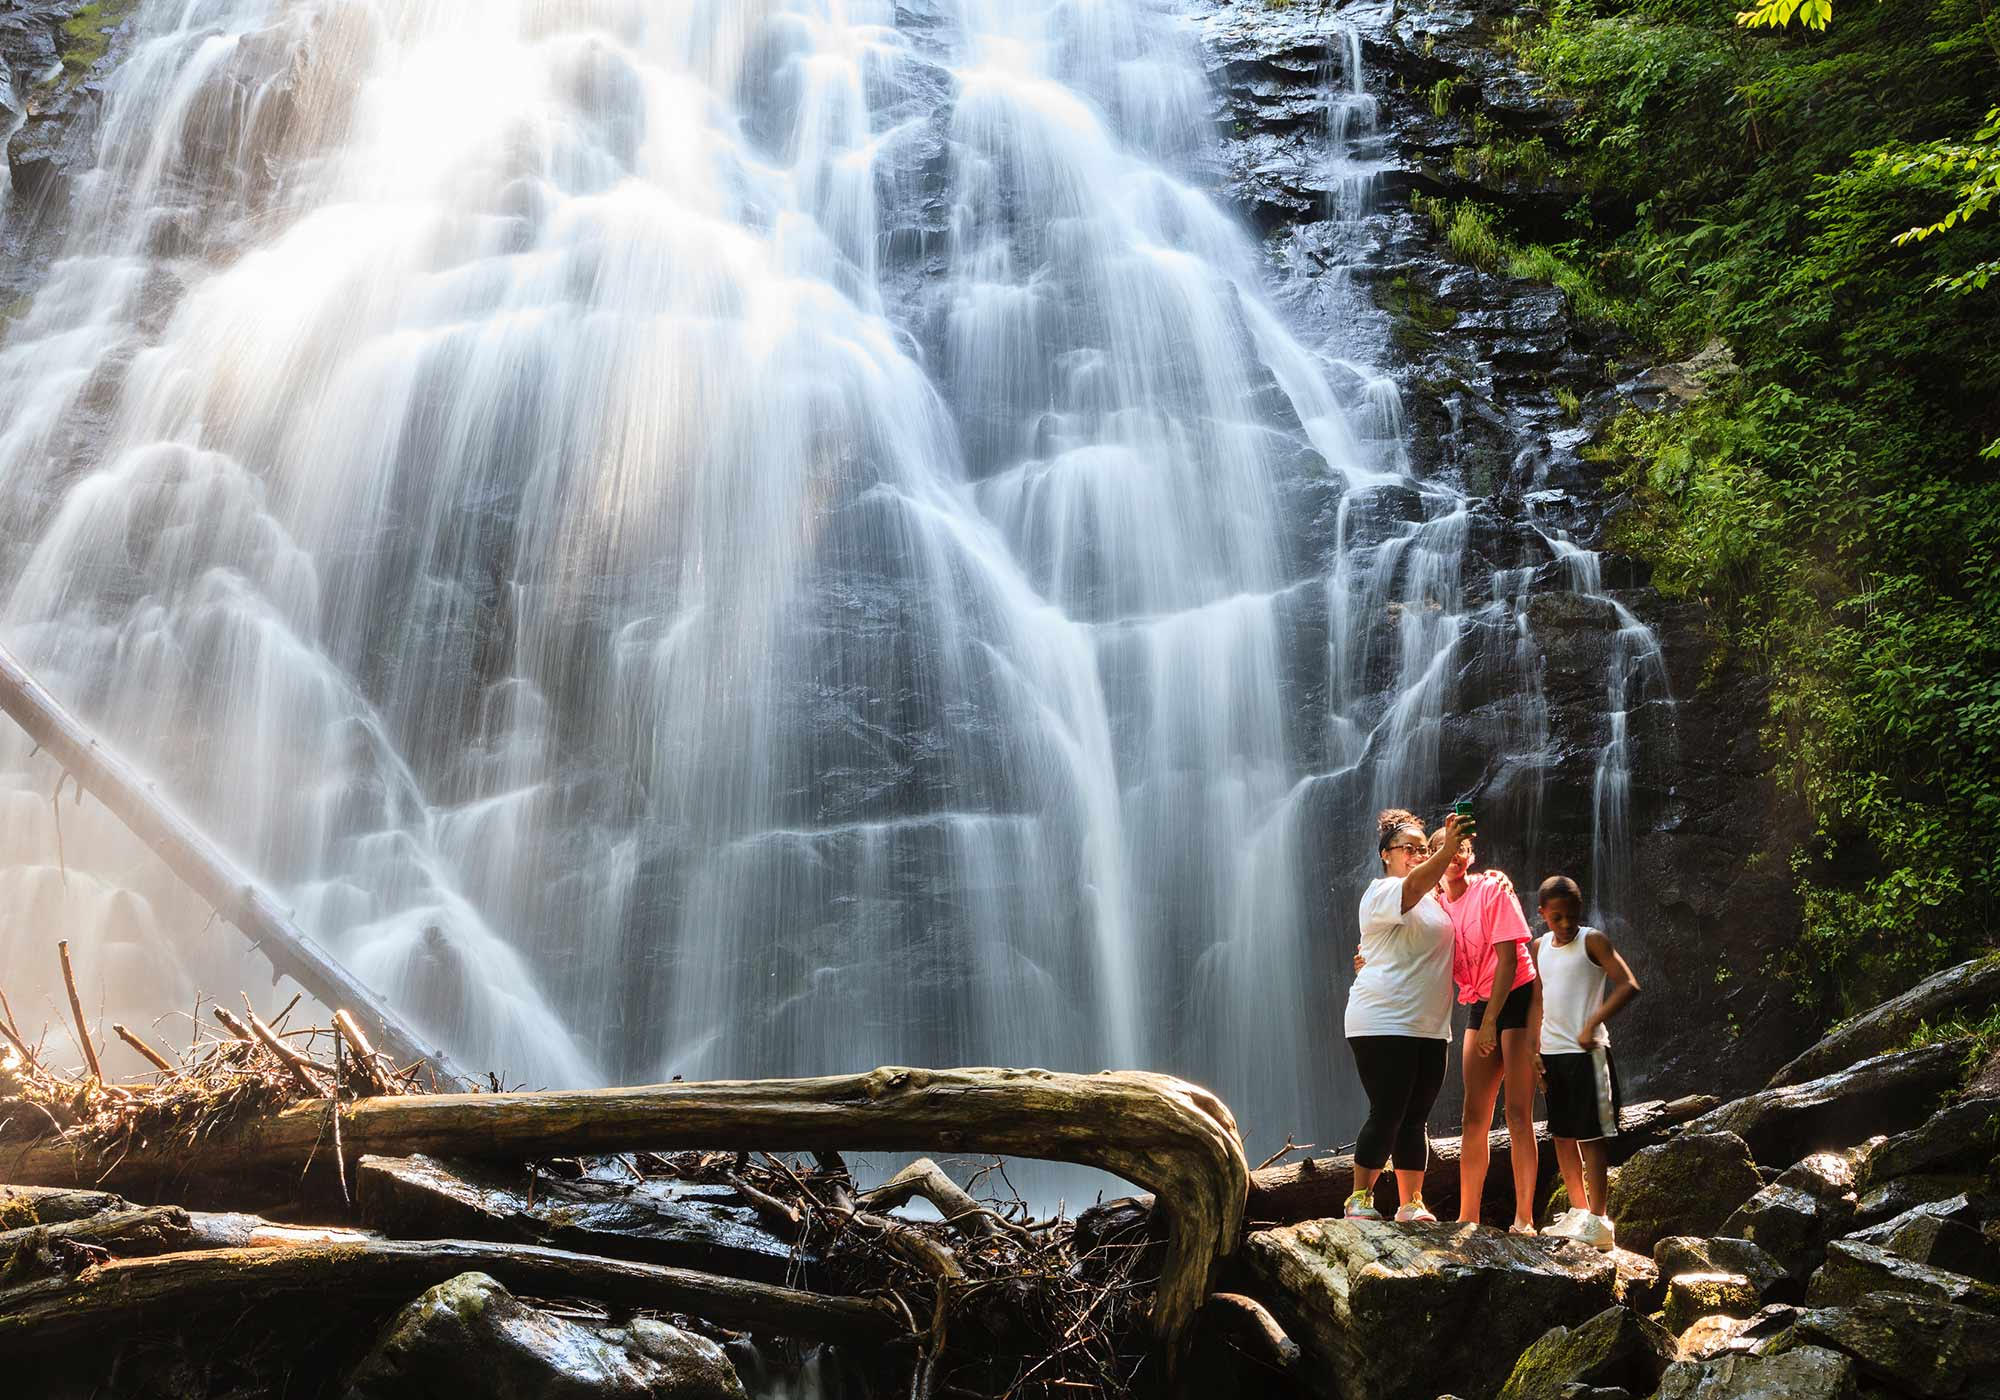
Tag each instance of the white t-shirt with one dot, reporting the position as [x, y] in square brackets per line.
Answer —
[1406, 986]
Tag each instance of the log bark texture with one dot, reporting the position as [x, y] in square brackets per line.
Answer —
[1159, 1132]
[197, 861]
[1317, 1187]
[53, 1312]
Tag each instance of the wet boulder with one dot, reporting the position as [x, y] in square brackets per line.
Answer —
[1793, 1217]
[1615, 1349]
[1886, 1201]
[1720, 1334]
[1937, 1351]
[1971, 984]
[1940, 1234]
[1691, 1297]
[1687, 1185]
[470, 1335]
[1803, 1373]
[1836, 1111]
[1964, 1137]
[1685, 1254]
[1348, 1291]
[1853, 1270]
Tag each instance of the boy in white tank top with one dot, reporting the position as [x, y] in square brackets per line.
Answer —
[1584, 981]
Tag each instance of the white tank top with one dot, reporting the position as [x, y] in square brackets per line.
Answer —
[1572, 986]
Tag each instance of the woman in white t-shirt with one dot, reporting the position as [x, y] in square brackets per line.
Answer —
[1399, 1009]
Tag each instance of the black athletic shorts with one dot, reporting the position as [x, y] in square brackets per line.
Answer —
[1513, 1011]
[1583, 1095]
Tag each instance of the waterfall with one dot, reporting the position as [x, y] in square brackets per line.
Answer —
[741, 538]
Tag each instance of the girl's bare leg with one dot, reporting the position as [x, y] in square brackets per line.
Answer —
[1482, 1087]
[1519, 1057]
[1409, 1185]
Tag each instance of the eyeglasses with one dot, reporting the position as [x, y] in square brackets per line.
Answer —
[1406, 846]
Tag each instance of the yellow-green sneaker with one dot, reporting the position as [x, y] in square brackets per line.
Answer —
[1361, 1206]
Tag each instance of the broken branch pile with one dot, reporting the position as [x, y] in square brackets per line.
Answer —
[984, 1298]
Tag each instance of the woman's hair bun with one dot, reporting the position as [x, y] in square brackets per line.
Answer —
[1393, 821]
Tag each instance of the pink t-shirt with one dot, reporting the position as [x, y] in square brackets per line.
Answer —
[1487, 916]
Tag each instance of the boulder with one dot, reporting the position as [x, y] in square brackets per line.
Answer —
[1893, 1198]
[1639, 1286]
[1892, 1093]
[1941, 1234]
[1688, 1185]
[1853, 1270]
[1962, 1138]
[1803, 1373]
[1685, 1254]
[1793, 1217]
[1691, 1297]
[1617, 1349]
[469, 1335]
[683, 1224]
[1971, 984]
[1919, 1347]
[1720, 1334]
[1351, 1293]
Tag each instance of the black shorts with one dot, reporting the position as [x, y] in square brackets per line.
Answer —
[1583, 1095]
[1513, 1011]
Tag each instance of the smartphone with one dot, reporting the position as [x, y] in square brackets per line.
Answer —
[1461, 809]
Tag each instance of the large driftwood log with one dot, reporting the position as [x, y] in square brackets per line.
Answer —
[1160, 1132]
[51, 1312]
[196, 860]
[1318, 1186]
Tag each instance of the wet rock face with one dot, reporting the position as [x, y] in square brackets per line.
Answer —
[1794, 1217]
[1502, 388]
[471, 1327]
[1348, 1291]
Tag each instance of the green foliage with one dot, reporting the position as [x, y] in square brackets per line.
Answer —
[1776, 14]
[1569, 403]
[1814, 204]
[1981, 1034]
[1976, 166]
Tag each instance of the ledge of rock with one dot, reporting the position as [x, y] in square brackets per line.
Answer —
[1890, 1094]
[1934, 1350]
[1971, 984]
[1409, 1312]
[1853, 1270]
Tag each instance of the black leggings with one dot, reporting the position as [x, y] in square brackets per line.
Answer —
[1402, 1075]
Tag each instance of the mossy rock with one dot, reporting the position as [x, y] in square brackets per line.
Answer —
[1616, 1348]
[1691, 1297]
[1687, 1185]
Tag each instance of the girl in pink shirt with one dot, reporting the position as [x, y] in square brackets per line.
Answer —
[1496, 978]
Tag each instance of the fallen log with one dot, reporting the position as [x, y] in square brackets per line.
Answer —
[198, 862]
[53, 1312]
[1154, 1130]
[1318, 1186]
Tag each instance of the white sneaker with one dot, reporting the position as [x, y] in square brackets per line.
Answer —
[1595, 1231]
[1563, 1227]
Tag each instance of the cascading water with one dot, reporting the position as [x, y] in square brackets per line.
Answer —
[731, 539]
